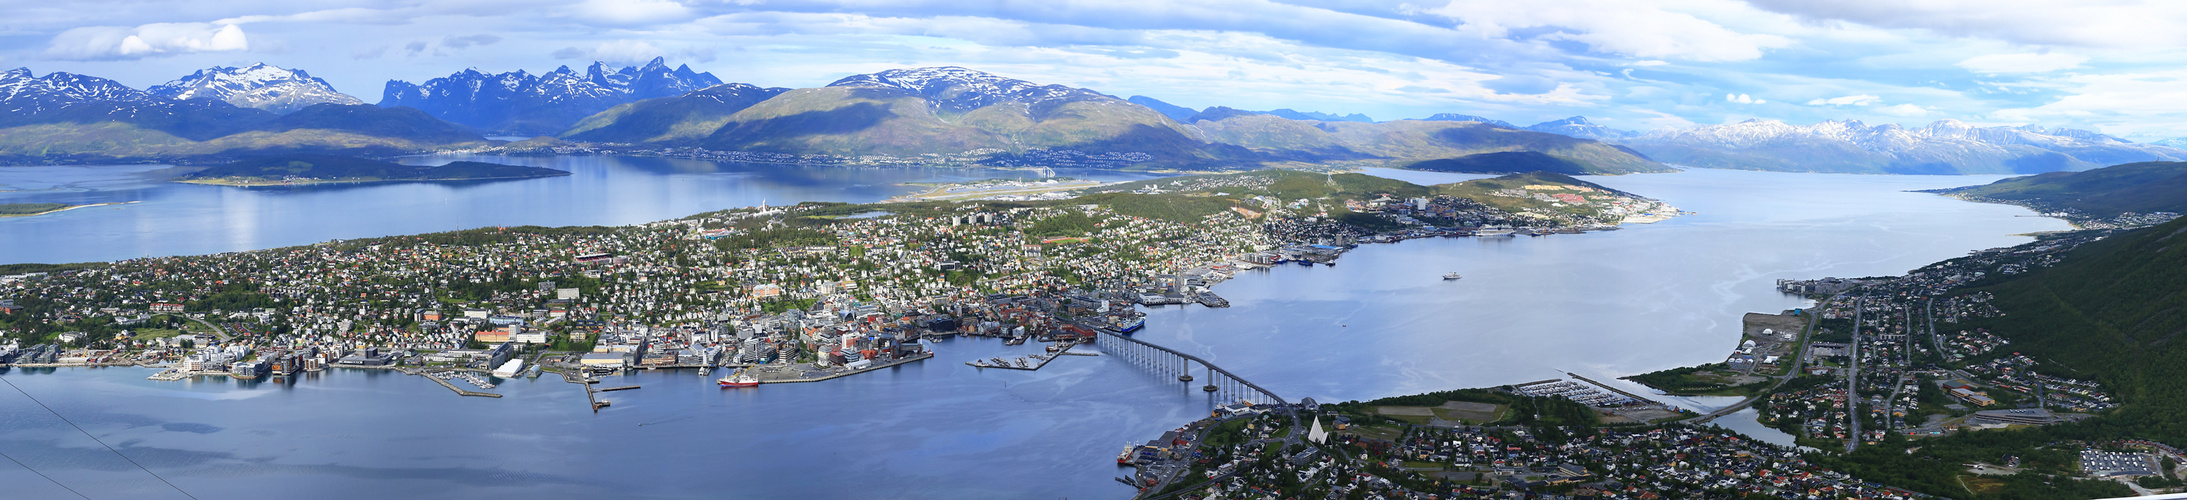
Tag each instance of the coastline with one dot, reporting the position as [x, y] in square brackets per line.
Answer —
[68, 208]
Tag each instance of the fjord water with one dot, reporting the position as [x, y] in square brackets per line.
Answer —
[1380, 323]
[186, 219]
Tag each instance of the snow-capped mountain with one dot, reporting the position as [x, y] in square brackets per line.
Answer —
[1578, 126]
[22, 94]
[79, 99]
[1455, 117]
[519, 102]
[1943, 147]
[86, 118]
[256, 86]
[958, 89]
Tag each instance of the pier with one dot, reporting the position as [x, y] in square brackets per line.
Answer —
[1220, 383]
[461, 391]
[1021, 363]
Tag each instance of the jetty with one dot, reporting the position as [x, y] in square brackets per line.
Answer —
[919, 357]
[461, 391]
[1031, 362]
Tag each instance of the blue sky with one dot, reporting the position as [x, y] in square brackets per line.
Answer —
[2114, 66]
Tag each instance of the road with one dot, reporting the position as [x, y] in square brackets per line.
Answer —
[1852, 380]
[217, 331]
[1799, 364]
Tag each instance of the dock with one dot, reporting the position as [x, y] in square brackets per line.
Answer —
[1021, 363]
[462, 391]
[623, 388]
[921, 357]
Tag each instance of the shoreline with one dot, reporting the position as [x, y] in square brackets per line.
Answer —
[70, 207]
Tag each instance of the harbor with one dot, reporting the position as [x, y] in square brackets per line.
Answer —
[1030, 362]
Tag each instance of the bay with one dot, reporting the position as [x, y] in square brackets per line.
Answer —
[170, 218]
[1380, 323]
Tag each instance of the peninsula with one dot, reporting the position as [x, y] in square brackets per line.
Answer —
[33, 209]
[293, 170]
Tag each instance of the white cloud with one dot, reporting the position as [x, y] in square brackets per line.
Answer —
[614, 51]
[2022, 63]
[1628, 27]
[358, 15]
[150, 40]
[1743, 99]
[2149, 104]
[627, 12]
[1903, 110]
[2103, 23]
[1851, 100]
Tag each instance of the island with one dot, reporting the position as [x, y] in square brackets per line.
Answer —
[301, 169]
[769, 294]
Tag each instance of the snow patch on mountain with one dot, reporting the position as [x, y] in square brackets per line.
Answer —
[520, 102]
[256, 86]
[1945, 146]
[958, 89]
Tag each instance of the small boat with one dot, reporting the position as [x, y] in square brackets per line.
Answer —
[1450, 276]
[1307, 263]
[738, 379]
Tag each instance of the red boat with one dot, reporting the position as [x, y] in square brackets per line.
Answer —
[738, 379]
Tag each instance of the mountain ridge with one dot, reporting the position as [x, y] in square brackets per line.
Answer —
[258, 86]
[545, 104]
[1849, 146]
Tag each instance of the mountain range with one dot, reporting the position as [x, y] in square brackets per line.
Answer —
[229, 111]
[70, 117]
[1943, 147]
[1184, 115]
[520, 103]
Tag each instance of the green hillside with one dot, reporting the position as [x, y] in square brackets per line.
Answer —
[1496, 192]
[2113, 311]
[2110, 312]
[670, 120]
[2158, 186]
[190, 135]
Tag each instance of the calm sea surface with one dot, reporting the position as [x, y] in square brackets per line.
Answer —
[187, 219]
[1380, 323]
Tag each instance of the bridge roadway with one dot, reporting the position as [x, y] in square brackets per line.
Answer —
[1113, 336]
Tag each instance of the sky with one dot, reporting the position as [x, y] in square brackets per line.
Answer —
[2116, 66]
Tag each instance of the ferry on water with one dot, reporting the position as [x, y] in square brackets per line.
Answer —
[1133, 326]
[738, 379]
[1450, 276]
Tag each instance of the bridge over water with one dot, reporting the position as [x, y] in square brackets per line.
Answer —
[1213, 379]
